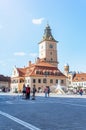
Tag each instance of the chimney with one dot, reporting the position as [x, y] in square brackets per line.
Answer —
[38, 60]
[29, 63]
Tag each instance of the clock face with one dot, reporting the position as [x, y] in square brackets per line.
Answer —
[51, 46]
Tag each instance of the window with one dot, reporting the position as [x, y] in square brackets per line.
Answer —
[37, 72]
[51, 81]
[39, 80]
[34, 80]
[62, 81]
[51, 46]
[55, 73]
[56, 80]
[76, 78]
[46, 73]
[44, 81]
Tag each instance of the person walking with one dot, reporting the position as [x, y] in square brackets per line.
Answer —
[28, 92]
[46, 91]
[24, 91]
[33, 91]
[81, 91]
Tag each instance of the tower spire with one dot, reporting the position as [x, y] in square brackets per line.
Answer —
[48, 47]
[47, 34]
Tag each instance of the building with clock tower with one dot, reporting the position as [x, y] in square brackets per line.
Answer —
[48, 47]
[44, 72]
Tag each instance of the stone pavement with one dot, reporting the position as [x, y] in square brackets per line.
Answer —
[62, 112]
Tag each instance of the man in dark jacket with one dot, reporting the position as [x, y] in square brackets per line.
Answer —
[33, 91]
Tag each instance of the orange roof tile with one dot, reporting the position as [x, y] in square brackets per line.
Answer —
[42, 67]
[79, 77]
[44, 64]
[21, 71]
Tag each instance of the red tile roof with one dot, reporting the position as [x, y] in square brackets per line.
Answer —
[79, 77]
[40, 69]
[21, 71]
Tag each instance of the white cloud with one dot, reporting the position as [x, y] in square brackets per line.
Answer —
[19, 54]
[37, 21]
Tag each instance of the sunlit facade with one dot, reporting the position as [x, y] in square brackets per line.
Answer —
[44, 72]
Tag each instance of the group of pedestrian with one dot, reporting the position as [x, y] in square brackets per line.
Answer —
[47, 91]
[26, 92]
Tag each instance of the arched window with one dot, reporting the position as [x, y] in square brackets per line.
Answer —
[21, 80]
[44, 81]
[51, 80]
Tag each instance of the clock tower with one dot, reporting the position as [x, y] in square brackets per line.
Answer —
[48, 48]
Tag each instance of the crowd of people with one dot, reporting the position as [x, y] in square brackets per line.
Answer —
[27, 90]
[76, 91]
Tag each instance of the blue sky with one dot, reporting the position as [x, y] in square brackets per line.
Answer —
[22, 24]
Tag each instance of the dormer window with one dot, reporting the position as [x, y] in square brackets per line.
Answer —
[76, 79]
[37, 71]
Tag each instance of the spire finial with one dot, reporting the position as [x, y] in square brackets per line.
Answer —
[47, 34]
[47, 24]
